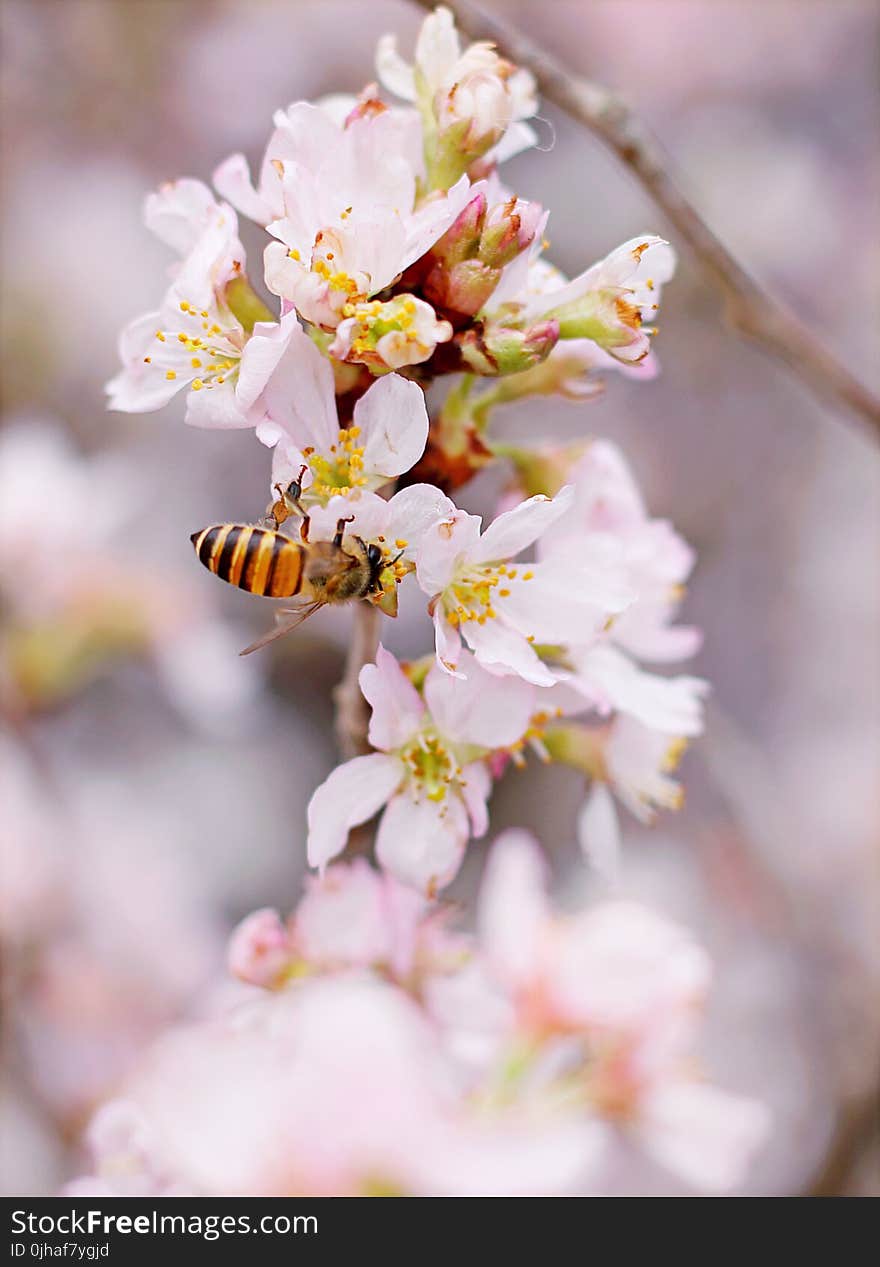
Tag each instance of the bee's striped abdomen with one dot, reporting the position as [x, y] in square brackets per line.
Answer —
[255, 559]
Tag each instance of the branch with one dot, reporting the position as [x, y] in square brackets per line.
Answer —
[749, 309]
[352, 712]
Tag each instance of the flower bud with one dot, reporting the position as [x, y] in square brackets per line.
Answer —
[461, 240]
[501, 350]
[259, 950]
[509, 229]
[465, 288]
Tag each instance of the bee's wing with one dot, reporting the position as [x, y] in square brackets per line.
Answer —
[296, 617]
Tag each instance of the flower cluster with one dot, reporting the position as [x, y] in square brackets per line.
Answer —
[390, 1054]
[396, 257]
[385, 1052]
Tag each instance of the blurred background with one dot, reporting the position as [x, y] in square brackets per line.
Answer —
[154, 785]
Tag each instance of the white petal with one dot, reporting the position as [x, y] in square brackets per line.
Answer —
[432, 220]
[443, 544]
[394, 73]
[215, 406]
[396, 704]
[300, 396]
[394, 425]
[177, 213]
[500, 647]
[479, 707]
[261, 356]
[598, 831]
[138, 387]
[513, 908]
[476, 785]
[671, 705]
[447, 641]
[349, 796]
[705, 1135]
[438, 47]
[232, 180]
[370, 517]
[423, 842]
[517, 529]
[413, 511]
[551, 609]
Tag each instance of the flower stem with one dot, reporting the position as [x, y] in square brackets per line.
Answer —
[352, 713]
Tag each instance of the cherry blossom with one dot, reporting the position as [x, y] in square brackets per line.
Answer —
[351, 222]
[656, 561]
[194, 340]
[366, 1045]
[609, 304]
[294, 139]
[401, 331]
[352, 916]
[429, 771]
[500, 610]
[471, 101]
[617, 990]
[335, 1088]
[296, 407]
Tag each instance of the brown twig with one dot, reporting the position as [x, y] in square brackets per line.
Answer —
[749, 309]
[352, 713]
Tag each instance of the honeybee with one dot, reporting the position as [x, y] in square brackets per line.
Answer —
[262, 560]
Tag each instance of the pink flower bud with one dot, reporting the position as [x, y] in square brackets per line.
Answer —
[509, 228]
[465, 288]
[462, 239]
[501, 350]
[259, 950]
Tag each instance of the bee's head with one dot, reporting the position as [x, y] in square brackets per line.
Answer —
[383, 581]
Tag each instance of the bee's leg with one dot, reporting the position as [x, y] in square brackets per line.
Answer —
[340, 529]
[288, 503]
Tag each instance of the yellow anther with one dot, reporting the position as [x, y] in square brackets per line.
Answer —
[170, 375]
[160, 336]
[196, 363]
[197, 384]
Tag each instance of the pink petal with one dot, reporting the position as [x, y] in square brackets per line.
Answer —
[349, 796]
[515, 530]
[705, 1135]
[422, 842]
[513, 906]
[396, 704]
[394, 425]
[598, 831]
[479, 707]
